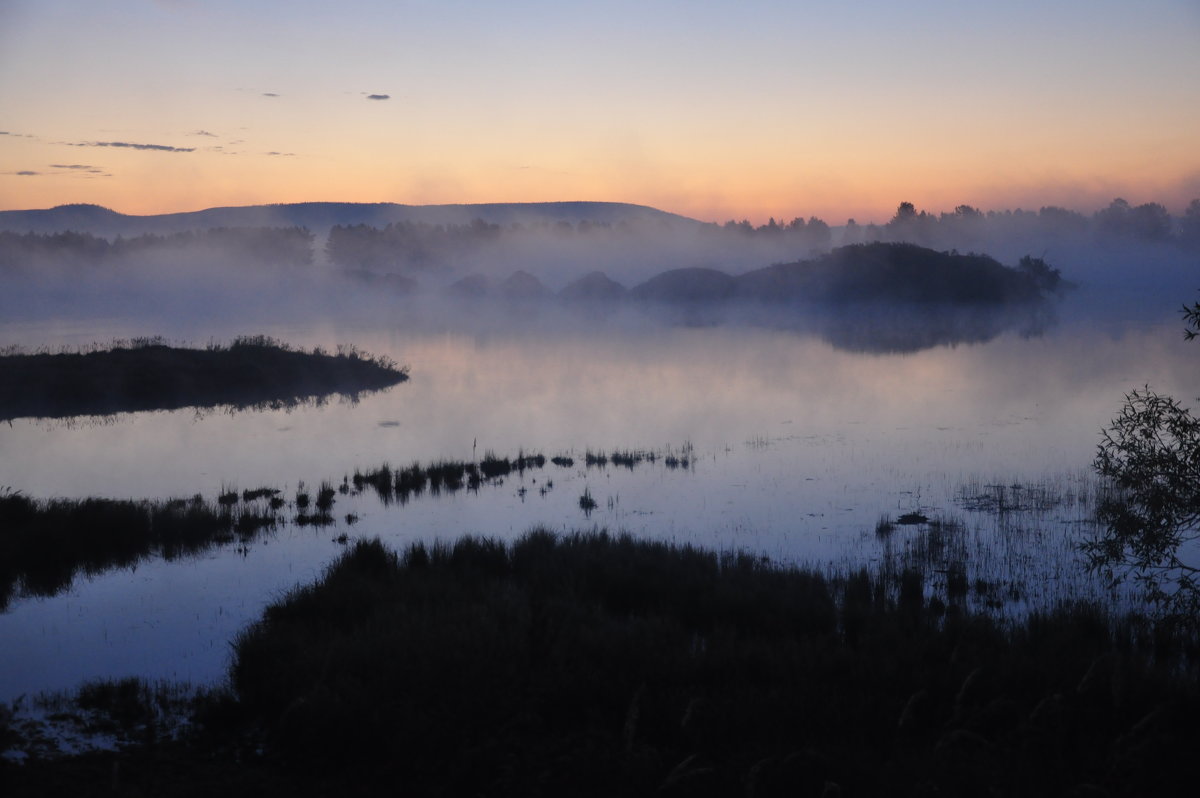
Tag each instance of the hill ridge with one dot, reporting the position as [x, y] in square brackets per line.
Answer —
[320, 215]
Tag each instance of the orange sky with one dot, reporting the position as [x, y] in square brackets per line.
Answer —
[713, 110]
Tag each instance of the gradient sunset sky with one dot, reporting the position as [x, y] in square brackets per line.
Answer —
[715, 110]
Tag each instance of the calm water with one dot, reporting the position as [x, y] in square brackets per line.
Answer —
[797, 449]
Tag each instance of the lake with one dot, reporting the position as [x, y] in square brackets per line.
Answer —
[796, 448]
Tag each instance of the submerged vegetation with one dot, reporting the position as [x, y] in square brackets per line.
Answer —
[147, 374]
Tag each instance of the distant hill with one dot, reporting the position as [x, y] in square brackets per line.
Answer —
[320, 216]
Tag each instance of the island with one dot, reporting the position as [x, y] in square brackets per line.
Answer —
[149, 374]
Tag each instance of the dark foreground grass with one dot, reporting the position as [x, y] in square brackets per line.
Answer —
[600, 665]
[45, 544]
[149, 375]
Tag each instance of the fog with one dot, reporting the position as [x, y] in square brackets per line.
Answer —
[488, 268]
[818, 397]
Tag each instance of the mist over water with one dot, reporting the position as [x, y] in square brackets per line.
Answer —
[804, 425]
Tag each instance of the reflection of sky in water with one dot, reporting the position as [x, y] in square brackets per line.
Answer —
[799, 449]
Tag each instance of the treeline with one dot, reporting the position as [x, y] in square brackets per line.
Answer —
[420, 247]
[248, 245]
[406, 245]
[423, 246]
[967, 227]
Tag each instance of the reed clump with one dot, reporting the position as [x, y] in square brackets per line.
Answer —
[593, 664]
[449, 475]
[45, 544]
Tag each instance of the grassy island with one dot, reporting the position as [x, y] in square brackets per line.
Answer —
[150, 375]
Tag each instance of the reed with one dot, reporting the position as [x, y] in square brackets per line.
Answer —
[46, 544]
[599, 664]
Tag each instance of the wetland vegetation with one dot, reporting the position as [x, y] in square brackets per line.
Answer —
[148, 374]
[596, 664]
[45, 544]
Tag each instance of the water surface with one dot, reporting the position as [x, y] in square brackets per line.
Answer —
[797, 448]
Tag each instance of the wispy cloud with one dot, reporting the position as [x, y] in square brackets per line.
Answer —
[379, 96]
[83, 166]
[79, 170]
[269, 94]
[282, 154]
[133, 146]
[203, 133]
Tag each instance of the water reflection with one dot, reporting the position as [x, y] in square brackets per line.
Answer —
[799, 448]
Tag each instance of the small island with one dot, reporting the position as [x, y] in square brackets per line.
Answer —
[148, 374]
[880, 273]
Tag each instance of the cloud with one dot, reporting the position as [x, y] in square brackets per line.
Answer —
[203, 133]
[282, 154]
[78, 169]
[133, 146]
[269, 94]
[379, 96]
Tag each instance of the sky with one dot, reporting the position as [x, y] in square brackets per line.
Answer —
[714, 110]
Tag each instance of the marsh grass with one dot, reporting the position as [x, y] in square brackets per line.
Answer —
[259, 493]
[492, 466]
[325, 497]
[317, 519]
[148, 374]
[1013, 549]
[630, 458]
[586, 502]
[108, 714]
[45, 544]
[594, 664]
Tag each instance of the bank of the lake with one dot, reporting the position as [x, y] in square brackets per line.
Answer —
[591, 664]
